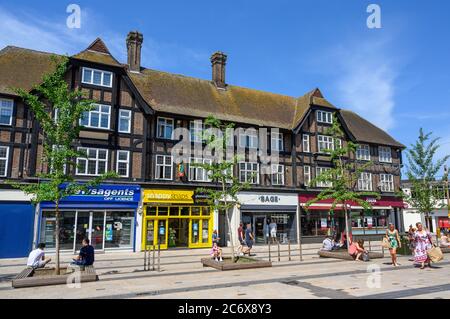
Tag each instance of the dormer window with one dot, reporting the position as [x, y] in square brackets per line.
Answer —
[97, 77]
[324, 117]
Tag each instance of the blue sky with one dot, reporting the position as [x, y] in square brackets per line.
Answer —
[397, 76]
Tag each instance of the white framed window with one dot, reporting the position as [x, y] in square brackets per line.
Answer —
[124, 121]
[363, 152]
[95, 162]
[4, 155]
[320, 171]
[306, 143]
[385, 154]
[324, 117]
[123, 163]
[249, 172]
[307, 175]
[97, 77]
[277, 174]
[387, 182]
[199, 174]
[324, 143]
[164, 167]
[6, 111]
[98, 117]
[276, 141]
[196, 131]
[248, 139]
[365, 182]
[164, 128]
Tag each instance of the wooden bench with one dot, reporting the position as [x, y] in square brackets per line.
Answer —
[445, 250]
[25, 278]
[343, 254]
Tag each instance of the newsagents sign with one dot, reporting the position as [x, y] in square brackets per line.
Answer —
[107, 193]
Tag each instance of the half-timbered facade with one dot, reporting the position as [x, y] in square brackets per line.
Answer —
[131, 130]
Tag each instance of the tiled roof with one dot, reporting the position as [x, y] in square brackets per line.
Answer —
[178, 94]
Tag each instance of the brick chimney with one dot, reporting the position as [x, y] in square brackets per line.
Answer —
[218, 62]
[134, 45]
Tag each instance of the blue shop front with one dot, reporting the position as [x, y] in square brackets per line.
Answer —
[105, 214]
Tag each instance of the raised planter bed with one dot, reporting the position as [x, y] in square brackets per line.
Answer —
[343, 254]
[45, 277]
[242, 263]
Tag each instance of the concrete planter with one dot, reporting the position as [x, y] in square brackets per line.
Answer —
[242, 263]
[45, 277]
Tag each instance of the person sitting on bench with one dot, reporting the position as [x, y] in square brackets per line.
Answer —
[37, 259]
[444, 243]
[216, 252]
[86, 255]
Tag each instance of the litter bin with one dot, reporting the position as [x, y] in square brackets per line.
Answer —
[405, 250]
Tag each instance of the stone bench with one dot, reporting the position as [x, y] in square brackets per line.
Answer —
[343, 254]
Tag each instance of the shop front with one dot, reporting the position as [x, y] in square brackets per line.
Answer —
[105, 214]
[318, 221]
[173, 219]
[261, 209]
[17, 216]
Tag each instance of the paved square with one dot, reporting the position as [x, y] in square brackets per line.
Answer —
[183, 276]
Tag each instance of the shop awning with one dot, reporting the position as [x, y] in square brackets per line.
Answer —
[385, 202]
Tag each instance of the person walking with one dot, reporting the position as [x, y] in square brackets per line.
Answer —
[394, 242]
[241, 236]
[249, 238]
[273, 231]
[422, 242]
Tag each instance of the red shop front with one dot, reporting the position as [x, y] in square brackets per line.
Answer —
[317, 221]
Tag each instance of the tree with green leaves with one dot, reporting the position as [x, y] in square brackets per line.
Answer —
[422, 170]
[220, 170]
[342, 177]
[59, 134]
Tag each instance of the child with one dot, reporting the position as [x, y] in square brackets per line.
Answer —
[216, 252]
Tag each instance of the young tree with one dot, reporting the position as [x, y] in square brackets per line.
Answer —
[342, 177]
[220, 170]
[59, 135]
[422, 169]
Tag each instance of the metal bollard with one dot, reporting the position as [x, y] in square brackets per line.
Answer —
[159, 255]
[153, 257]
[289, 249]
[270, 257]
[279, 257]
[145, 258]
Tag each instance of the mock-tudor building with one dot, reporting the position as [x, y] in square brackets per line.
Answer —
[131, 130]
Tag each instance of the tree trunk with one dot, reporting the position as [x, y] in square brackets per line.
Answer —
[347, 233]
[227, 215]
[57, 270]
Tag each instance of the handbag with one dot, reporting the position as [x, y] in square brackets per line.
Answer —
[365, 257]
[435, 254]
[386, 243]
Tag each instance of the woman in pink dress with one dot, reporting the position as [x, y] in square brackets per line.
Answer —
[422, 242]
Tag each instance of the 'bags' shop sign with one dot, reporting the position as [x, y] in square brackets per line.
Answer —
[109, 193]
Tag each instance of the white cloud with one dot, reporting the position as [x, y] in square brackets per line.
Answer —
[30, 30]
[365, 82]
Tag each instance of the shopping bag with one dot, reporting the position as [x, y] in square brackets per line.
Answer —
[435, 254]
[386, 243]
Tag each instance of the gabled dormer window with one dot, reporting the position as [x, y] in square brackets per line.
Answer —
[324, 117]
[97, 77]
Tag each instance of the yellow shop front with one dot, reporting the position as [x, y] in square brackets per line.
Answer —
[172, 219]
